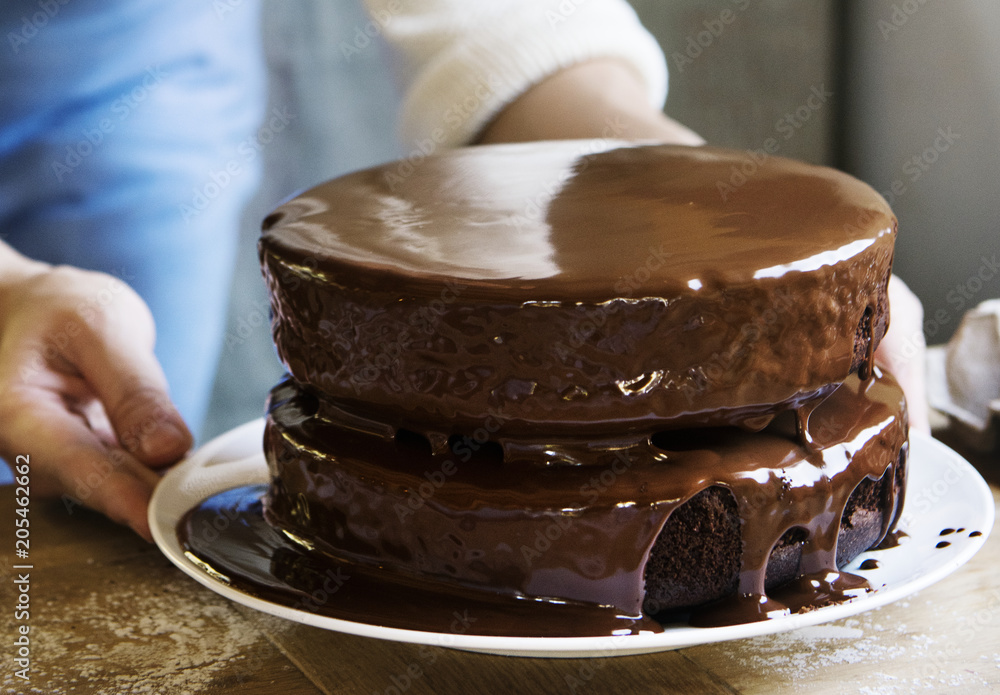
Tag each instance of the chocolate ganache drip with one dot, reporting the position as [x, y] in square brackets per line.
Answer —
[597, 528]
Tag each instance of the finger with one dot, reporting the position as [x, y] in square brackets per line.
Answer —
[116, 358]
[69, 459]
[112, 483]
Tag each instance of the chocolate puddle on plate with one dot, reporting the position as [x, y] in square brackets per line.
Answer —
[228, 538]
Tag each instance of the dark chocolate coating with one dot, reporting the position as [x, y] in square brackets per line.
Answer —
[579, 287]
[518, 371]
[228, 535]
[603, 530]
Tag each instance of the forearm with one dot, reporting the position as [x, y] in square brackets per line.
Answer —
[599, 98]
[462, 63]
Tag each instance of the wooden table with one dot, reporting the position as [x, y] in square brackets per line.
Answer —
[109, 614]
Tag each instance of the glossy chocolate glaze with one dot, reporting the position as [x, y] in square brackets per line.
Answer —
[228, 535]
[497, 353]
[533, 525]
[579, 287]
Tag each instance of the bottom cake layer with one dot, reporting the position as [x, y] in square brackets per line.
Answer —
[657, 523]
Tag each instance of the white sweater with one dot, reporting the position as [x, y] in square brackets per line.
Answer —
[462, 61]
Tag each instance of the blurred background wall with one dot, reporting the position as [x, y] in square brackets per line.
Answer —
[914, 110]
[923, 126]
[904, 94]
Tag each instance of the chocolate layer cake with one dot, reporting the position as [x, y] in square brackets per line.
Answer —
[672, 520]
[579, 372]
[579, 287]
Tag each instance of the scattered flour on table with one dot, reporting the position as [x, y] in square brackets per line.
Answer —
[872, 640]
[183, 639]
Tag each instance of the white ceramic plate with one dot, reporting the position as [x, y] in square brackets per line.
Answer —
[943, 491]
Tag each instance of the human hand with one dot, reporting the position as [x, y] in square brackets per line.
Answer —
[903, 351]
[82, 393]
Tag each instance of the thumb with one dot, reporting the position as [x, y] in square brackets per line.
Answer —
[146, 421]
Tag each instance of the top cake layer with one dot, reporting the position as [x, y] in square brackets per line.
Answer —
[579, 284]
[579, 221]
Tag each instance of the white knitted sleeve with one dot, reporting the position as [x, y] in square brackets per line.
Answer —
[462, 61]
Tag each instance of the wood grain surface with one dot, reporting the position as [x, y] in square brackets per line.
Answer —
[110, 614]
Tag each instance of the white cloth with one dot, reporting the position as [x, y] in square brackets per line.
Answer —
[462, 61]
[964, 375]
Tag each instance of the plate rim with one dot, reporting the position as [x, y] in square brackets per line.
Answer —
[183, 480]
